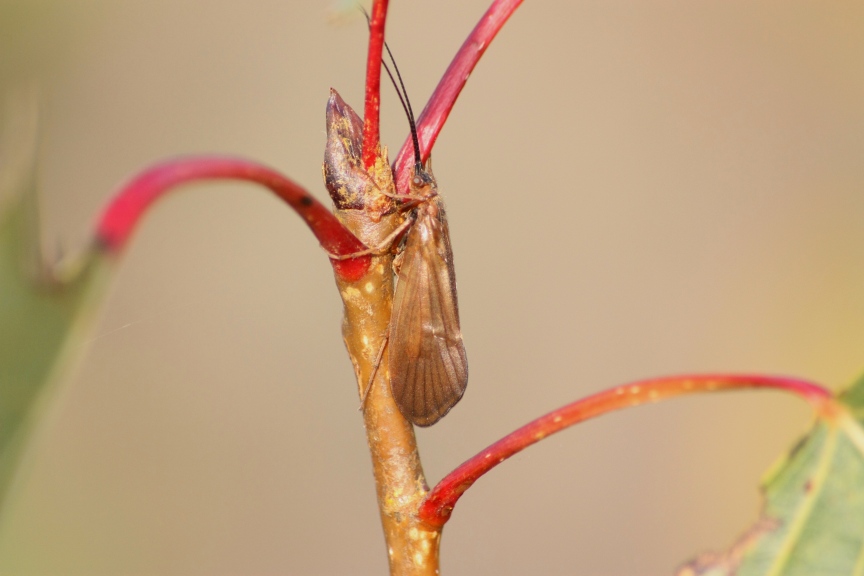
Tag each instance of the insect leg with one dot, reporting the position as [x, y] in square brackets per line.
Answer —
[374, 371]
[381, 248]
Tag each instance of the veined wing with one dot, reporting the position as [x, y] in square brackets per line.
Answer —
[428, 365]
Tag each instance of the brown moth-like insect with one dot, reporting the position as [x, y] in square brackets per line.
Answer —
[427, 362]
[428, 365]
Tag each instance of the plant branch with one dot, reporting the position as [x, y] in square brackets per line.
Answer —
[438, 506]
[435, 114]
[399, 481]
[372, 109]
[362, 199]
[125, 210]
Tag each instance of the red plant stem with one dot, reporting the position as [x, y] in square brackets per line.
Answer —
[435, 114]
[125, 210]
[371, 113]
[439, 503]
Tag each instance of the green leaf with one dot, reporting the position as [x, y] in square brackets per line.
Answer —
[40, 308]
[813, 518]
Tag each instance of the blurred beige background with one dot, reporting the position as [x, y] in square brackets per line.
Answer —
[634, 189]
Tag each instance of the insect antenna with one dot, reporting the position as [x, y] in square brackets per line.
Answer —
[406, 105]
[403, 99]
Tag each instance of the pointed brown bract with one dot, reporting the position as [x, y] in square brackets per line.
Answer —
[351, 186]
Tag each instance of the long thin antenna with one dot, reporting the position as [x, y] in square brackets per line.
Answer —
[406, 103]
[407, 107]
[418, 165]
